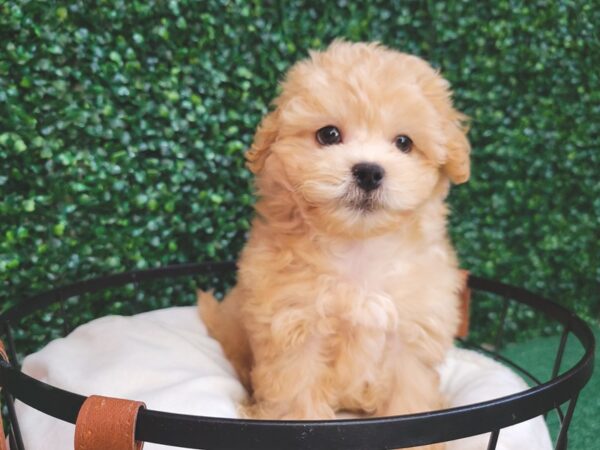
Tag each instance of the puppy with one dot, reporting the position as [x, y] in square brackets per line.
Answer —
[347, 290]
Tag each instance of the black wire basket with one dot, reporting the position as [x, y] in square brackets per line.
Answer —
[212, 433]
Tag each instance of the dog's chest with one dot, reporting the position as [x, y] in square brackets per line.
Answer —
[359, 303]
[368, 264]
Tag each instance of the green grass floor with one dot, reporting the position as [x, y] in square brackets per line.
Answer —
[537, 356]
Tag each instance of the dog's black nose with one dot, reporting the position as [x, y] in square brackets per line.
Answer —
[368, 176]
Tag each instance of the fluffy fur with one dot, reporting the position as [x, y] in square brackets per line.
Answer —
[339, 306]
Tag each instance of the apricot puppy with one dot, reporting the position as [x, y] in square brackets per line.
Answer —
[347, 291]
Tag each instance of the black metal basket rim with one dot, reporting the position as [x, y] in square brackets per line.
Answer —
[383, 432]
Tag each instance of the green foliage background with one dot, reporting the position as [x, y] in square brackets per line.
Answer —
[123, 124]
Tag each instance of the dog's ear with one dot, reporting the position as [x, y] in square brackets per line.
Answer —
[458, 165]
[265, 136]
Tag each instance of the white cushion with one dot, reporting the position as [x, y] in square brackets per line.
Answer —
[166, 359]
[470, 377]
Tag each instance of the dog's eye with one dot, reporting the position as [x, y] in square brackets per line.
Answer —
[404, 143]
[329, 135]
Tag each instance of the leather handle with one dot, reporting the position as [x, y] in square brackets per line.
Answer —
[3, 353]
[4, 356]
[107, 423]
[465, 306]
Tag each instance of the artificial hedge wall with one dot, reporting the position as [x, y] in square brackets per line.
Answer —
[123, 124]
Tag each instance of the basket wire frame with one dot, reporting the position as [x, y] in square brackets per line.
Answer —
[68, 403]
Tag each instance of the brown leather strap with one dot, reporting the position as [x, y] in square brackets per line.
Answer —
[465, 306]
[107, 423]
[3, 353]
[2, 436]
[4, 356]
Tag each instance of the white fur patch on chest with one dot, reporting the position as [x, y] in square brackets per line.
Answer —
[358, 293]
[368, 263]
